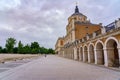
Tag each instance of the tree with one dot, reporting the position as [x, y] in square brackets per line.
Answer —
[10, 43]
[4, 50]
[0, 49]
[35, 51]
[35, 47]
[51, 51]
[15, 50]
[26, 49]
[20, 47]
[43, 50]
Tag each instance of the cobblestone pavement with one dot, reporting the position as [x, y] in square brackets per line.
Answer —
[57, 68]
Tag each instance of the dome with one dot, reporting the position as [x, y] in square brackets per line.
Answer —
[77, 12]
[74, 14]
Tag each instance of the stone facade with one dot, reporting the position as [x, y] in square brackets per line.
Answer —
[59, 46]
[91, 43]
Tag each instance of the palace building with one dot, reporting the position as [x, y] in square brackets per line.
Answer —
[90, 43]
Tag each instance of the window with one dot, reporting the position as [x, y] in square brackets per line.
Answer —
[61, 43]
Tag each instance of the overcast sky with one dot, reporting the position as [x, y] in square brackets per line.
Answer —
[45, 20]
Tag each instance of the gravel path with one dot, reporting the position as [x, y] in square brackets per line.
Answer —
[12, 57]
[57, 68]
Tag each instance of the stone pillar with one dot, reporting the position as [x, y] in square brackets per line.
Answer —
[89, 56]
[105, 57]
[95, 56]
[63, 54]
[70, 54]
[119, 54]
[80, 54]
[75, 54]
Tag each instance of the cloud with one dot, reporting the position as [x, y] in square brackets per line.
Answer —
[45, 20]
[8, 4]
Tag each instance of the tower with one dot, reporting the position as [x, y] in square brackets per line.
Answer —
[78, 26]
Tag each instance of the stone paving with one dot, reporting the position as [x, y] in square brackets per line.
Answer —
[11, 64]
[57, 68]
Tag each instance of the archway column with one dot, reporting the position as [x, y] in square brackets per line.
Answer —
[119, 54]
[63, 54]
[95, 56]
[72, 53]
[75, 53]
[79, 55]
[105, 57]
[89, 56]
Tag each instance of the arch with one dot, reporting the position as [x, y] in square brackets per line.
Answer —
[111, 45]
[85, 55]
[90, 44]
[99, 41]
[91, 53]
[112, 38]
[99, 52]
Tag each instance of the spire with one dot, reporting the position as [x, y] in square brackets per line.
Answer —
[76, 9]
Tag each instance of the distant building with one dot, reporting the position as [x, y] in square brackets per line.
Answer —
[59, 46]
[88, 42]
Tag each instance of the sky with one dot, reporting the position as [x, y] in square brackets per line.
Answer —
[45, 20]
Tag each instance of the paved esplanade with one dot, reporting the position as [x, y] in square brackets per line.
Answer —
[57, 68]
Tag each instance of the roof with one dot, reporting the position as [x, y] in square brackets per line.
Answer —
[80, 14]
[77, 12]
